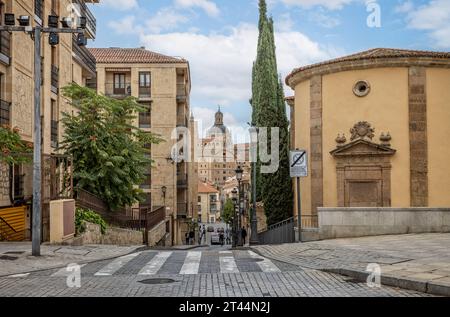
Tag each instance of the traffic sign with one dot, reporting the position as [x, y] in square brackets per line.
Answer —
[299, 163]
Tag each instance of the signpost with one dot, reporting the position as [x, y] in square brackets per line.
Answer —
[299, 168]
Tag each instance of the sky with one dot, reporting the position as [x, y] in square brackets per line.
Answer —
[219, 38]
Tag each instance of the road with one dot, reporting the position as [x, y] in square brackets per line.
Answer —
[205, 272]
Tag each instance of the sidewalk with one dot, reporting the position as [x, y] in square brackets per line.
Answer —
[15, 258]
[418, 262]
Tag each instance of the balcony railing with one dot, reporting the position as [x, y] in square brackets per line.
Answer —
[54, 133]
[181, 92]
[5, 112]
[84, 56]
[182, 209]
[182, 180]
[91, 22]
[145, 92]
[118, 90]
[5, 48]
[55, 79]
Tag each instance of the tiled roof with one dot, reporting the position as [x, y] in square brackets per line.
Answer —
[376, 53]
[131, 56]
[205, 188]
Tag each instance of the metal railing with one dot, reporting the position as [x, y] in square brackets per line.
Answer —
[5, 112]
[8, 233]
[145, 92]
[55, 79]
[118, 90]
[282, 232]
[84, 56]
[5, 46]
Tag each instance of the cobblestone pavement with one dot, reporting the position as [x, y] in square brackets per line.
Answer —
[200, 273]
[15, 257]
[420, 260]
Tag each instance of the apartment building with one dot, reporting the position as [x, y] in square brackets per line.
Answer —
[162, 85]
[208, 203]
[62, 64]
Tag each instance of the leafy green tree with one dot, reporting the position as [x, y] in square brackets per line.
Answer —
[228, 211]
[269, 110]
[13, 150]
[110, 154]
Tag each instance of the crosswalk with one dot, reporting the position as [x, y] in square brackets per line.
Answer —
[183, 263]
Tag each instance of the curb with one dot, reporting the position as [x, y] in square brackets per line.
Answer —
[139, 249]
[427, 287]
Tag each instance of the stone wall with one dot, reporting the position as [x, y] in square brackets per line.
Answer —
[157, 234]
[358, 222]
[113, 236]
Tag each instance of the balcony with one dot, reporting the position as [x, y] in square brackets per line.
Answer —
[182, 181]
[5, 112]
[181, 92]
[145, 92]
[54, 133]
[5, 48]
[84, 57]
[182, 210]
[118, 90]
[55, 79]
[91, 25]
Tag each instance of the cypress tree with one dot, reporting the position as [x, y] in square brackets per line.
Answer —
[269, 110]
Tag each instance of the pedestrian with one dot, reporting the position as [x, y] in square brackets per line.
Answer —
[191, 237]
[228, 236]
[243, 234]
[186, 236]
[221, 238]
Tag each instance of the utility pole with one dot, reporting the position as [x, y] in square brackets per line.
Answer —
[254, 221]
[36, 34]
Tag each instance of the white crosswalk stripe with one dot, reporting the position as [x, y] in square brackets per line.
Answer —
[191, 263]
[228, 265]
[152, 267]
[65, 271]
[115, 265]
[266, 265]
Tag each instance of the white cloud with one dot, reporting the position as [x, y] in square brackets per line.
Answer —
[329, 4]
[405, 7]
[221, 63]
[120, 4]
[325, 20]
[125, 26]
[208, 6]
[165, 19]
[434, 18]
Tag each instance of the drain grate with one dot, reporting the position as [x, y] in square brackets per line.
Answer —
[156, 281]
[8, 258]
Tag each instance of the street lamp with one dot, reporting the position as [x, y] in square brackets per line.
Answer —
[234, 194]
[239, 174]
[36, 34]
[164, 191]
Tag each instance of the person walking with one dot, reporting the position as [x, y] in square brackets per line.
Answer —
[191, 237]
[186, 236]
[243, 234]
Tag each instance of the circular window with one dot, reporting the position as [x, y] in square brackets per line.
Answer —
[362, 88]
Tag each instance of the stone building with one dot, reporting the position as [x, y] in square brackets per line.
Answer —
[208, 206]
[162, 85]
[216, 157]
[376, 128]
[61, 65]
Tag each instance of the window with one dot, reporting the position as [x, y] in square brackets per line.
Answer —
[145, 117]
[119, 84]
[5, 107]
[54, 124]
[144, 80]
[199, 199]
[39, 8]
[361, 88]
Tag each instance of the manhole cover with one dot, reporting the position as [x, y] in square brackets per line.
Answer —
[8, 258]
[155, 281]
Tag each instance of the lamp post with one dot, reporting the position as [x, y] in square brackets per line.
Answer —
[164, 191]
[36, 34]
[239, 175]
[234, 193]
